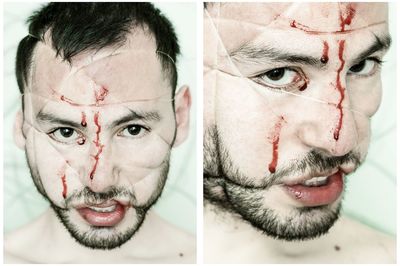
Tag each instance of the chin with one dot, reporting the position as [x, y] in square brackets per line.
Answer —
[281, 221]
[101, 237]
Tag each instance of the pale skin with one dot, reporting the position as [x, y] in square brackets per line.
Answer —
[323, 104]
[111, 104]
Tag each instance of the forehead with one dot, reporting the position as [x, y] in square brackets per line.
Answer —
[129, 72]
[237, 23]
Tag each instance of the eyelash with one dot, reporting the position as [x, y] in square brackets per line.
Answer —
[147, 130]
[302, 77]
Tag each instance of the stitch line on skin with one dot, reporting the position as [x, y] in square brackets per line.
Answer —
[158, 98]
[250, 83]
[222, 45]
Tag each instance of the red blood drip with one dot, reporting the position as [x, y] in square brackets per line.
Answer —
[347, 16]
[97, 143]
[297, 25]
[275, 145]
[64, 183]
[81, 140]
[341, 89]
[325, 52]
[67, 100]
[83, 122]
[303, 87]
[100, 95]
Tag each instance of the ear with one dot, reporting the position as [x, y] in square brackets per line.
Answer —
[183, 101]
[19, 137]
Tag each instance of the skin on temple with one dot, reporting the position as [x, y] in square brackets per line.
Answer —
[267, 130]
[125, 125]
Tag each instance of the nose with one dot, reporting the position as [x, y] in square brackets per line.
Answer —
[101, 173]
[330, 128]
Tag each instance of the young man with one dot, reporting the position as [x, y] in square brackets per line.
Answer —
[289, 92]
[99, 118]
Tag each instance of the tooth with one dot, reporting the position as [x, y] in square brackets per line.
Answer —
[106, 209]
[316, 181]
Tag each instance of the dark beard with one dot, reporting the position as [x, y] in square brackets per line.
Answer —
[230, 190]
[91, 238]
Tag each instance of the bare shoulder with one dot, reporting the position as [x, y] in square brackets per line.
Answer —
[363, 242]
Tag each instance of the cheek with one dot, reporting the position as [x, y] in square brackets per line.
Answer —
[51, 171]
[145, 189]
[365, 95]
[148, 152]
[246, 124]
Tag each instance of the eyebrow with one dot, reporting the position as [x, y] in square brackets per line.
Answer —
[379, 44]
[53, 119]
[249, 53]
[135, 116]
[131, 116]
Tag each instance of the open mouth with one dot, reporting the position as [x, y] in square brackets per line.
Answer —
[317, 191]
[106, 214]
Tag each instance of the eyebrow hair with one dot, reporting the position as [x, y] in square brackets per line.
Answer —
[132, 116]
[51, 118]
[379, 44]
[135, 115]
[259, 54]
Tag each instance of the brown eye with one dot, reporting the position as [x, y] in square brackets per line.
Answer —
[359, 67]
[134, 131]
[284, 78]
[365, 67]
[66, 132]
[275, 74]
[65, 135]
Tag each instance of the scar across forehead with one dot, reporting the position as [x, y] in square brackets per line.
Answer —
[320, 18]
[128, 74]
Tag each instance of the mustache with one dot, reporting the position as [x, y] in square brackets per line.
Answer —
[89, 197]
[315, 162]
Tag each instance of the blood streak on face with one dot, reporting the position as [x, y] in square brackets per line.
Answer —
[97, 143]
[347, 16]
[81, 140]
[65, 99]
[275, 145]
[345, 19]
[83, 121]
[64, 183]
[341, 89]
[325, 53]
[100, 95]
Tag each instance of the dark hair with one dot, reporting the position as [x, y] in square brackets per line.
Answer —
[79, 27]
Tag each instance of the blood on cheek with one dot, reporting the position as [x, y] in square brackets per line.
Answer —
[275, 144]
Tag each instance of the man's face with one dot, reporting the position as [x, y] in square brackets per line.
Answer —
[98, 134]
[289, 92]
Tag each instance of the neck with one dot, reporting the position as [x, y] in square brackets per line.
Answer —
[225, 227]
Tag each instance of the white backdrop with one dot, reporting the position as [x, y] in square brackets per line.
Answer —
[22, 203]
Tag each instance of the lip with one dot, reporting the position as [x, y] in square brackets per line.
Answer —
[317, 196]
[103, 219]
